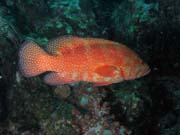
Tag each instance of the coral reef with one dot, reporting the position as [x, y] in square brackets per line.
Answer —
[147, 106]
[93, 115]
[129, 16]
[46, 19]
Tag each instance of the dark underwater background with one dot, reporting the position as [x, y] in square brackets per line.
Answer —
[146, 106]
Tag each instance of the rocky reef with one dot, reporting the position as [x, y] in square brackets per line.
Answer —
[146, 106]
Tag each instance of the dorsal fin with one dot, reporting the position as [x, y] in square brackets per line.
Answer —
[56, 44]
[68, 42]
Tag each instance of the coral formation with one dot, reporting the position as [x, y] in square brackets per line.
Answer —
[93, 116]
[147, 106]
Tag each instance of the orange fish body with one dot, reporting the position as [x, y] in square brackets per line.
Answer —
[71, 59]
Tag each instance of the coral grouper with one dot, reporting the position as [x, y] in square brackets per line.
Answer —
[71, 59]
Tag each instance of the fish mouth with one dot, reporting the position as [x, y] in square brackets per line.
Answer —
[146, 70]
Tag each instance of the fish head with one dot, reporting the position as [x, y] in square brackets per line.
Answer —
[136, 71]
[141, 70]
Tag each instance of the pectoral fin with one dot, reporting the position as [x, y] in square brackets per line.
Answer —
[106, 70]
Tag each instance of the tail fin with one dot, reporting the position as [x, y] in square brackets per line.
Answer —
[32, 59]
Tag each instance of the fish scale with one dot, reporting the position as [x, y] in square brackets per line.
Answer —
[71, 59]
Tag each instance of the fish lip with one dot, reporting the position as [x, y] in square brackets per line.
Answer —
[147, 72]
[144, 72]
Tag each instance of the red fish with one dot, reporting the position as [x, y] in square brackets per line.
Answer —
[71, 59]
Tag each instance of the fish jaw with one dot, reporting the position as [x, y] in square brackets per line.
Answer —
[134, 71]
[144, 71]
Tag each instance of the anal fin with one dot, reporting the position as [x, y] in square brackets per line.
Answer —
[55, 78]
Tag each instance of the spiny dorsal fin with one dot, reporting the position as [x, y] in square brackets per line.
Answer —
[100, 41]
